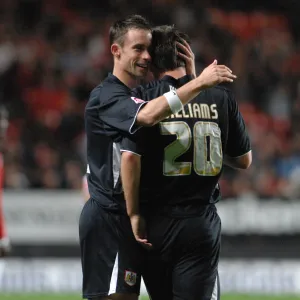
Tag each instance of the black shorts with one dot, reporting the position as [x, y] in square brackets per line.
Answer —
[111, 258]
[184, 261]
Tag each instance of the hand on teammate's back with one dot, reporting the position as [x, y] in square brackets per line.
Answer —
[138, 225]
[215, 74]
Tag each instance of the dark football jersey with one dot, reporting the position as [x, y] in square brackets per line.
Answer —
[109, 117]
[182, 156]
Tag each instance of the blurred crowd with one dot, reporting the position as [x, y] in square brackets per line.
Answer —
[52, 53]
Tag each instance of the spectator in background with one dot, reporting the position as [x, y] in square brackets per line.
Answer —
[4, 240]
[52, 54]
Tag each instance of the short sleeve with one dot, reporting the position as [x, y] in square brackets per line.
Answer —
[118, 108]
[133, 143]
[238, 142]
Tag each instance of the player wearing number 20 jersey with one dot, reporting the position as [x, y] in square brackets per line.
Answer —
[181, 162]
[182, 157]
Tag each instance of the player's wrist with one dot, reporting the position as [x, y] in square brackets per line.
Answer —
[200, 83]
[174, 101]
[191, 71]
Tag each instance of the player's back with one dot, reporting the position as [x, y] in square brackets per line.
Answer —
[182, 157]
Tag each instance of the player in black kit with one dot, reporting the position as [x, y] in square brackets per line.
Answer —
[177, 165]
[111, 258]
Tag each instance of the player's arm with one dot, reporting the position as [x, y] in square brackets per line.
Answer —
[117, 109]
[238, 152]
[172, 102]
[85, 189]
[240, 162]
[130, 175]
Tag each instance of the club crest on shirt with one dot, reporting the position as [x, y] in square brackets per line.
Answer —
[130, 278]
[137, 100]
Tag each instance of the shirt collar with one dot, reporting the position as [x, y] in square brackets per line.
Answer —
[177, 82]
[111, 77]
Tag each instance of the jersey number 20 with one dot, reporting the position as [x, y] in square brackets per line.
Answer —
[208, 158]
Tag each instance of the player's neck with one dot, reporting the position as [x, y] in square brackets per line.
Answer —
[177, 73]
[126, 78]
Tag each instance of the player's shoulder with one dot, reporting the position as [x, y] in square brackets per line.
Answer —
[150, 85]
[96, 90]
[224, 95]
[220, 92]
[94, 96]
[109, 87]
[152, 89]
[155, 83]
[105, 83]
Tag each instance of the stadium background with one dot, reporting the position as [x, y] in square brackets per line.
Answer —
[52, 53]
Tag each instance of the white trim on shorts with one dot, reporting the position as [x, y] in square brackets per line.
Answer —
[215, 293]
[114, 277]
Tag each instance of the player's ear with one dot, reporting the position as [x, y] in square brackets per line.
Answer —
[115, 50]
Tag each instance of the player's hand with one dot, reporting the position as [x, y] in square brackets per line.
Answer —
[188, 56]
[5, 247]
[215, 74]
[138, 225]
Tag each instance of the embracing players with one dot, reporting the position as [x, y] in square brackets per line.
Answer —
[112, 261]
[170, 176]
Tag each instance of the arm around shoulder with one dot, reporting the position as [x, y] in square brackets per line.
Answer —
[159, 108]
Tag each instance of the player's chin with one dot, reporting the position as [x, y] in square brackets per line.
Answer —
[141, 72]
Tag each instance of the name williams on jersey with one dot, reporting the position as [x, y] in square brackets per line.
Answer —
[198, 111]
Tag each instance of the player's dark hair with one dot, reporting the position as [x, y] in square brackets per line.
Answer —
[163, 49]
[118, 30]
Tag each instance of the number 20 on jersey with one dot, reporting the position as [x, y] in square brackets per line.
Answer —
[207, 152]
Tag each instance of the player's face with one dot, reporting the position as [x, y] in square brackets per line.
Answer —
[134, 55]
